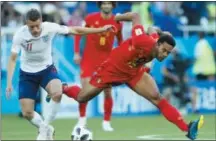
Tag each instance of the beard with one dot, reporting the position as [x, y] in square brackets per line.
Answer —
[107, 11]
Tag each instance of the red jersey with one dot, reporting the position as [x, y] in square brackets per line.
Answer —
[133, 53]
[98, 46]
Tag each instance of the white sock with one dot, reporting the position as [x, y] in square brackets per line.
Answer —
[82, 121]
[53, 109]
[37, 120]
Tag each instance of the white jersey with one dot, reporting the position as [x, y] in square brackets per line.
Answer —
[36, 52]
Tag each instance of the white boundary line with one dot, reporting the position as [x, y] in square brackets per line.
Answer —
[169, 136]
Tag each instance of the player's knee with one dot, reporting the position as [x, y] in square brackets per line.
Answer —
[28, 114]
[82, 99]
[56, 96]
[155, 97]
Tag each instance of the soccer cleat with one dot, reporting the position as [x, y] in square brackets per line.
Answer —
[42, 134]
[107, 126]
[194, 126]
[51, 133]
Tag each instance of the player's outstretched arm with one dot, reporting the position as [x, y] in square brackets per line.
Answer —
[153, 29]
[10, 71]
[85, 30]
[129, 16]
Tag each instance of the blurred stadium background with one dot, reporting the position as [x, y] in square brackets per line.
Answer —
[191, 89]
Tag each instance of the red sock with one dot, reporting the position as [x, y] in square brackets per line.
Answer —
[108, 104]
[72, 91]
[172, 115]
[82, 109]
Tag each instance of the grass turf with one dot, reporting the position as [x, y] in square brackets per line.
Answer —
[126, 128]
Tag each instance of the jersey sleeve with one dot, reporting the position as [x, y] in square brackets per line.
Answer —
[56, 28]
[140, 38]
[16, 43]
[87, 22]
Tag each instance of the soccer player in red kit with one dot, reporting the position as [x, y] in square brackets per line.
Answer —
[98, 48]
[125, 65]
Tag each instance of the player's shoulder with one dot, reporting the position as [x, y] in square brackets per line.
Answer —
[93, 15]
[21, 32]
[48, 25]
[22, 29]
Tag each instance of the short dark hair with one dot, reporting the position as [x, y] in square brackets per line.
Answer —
[168, 39]
[99, 3]
[33, 15]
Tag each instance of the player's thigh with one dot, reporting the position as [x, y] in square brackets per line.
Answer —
[85, 80]
[88, 92]
[28, 89]
[51, 82]
[147, 88]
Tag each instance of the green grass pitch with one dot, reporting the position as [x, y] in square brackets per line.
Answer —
[126, 128]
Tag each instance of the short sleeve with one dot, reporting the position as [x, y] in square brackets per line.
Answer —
[16, 44]
[60, 29]
[140, 38]
[87, 20]
[138, 30]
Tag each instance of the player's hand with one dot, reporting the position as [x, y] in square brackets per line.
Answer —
[77, 58]
[9, 90]
[109, 28]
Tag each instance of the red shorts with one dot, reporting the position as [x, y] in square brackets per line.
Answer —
[87, 70]
[88, 66]
[108, 74]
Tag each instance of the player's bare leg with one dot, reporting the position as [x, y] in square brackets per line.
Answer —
[108, 104]
[82, 106]
[27, 106]
[54, 90]
[82, 95]
[147, 88]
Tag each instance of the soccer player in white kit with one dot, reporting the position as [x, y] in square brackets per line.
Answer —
[34, 40]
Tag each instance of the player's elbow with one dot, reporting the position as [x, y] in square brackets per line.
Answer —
[13, 57]
[135, 18]
[135, 15]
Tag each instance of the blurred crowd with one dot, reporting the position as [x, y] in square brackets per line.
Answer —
[166, 15]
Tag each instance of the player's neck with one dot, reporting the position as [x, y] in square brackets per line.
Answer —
[154, 52]
[106, 16]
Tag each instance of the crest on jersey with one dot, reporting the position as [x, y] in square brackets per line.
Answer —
[45, 38]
